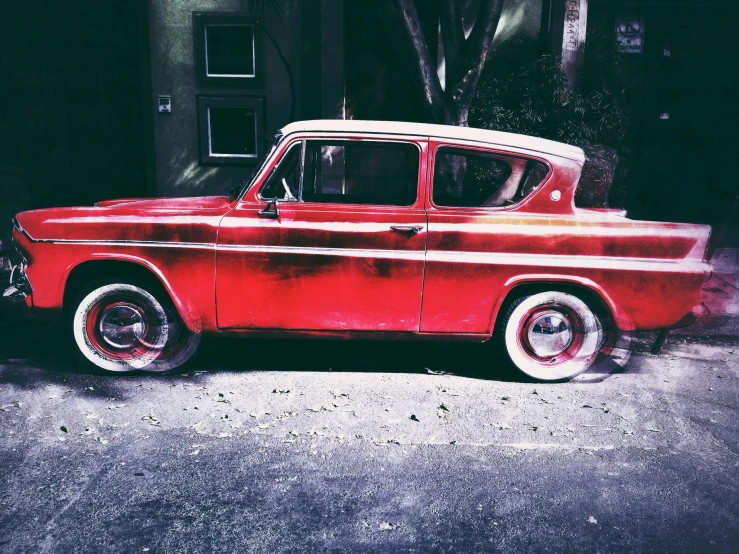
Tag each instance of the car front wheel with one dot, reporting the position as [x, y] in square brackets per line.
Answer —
[123, 327]
[551, 336]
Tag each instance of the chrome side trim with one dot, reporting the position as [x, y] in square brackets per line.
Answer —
[569, 261]
[491, 258]
[145, 243]
[419, 255]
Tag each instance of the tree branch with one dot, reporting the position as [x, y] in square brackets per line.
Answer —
[478, 48]
[421, 63]
[452, 33]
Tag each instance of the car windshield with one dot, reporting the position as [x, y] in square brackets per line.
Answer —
[274, 143]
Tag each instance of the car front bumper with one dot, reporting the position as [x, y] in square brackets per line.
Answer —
[20, 287]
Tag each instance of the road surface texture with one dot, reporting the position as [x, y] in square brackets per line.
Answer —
[298, 446]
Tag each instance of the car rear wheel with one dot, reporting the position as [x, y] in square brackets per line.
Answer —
[124, 327]
[551, 336]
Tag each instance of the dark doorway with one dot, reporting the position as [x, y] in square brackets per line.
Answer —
[71, 117]
[682, 91]
[692, 113]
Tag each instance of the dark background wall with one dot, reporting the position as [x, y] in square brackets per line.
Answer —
[71, 115]
[685, 165]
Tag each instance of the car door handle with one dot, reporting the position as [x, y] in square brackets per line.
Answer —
[406, 229]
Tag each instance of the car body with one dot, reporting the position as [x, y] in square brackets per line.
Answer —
[351, 257]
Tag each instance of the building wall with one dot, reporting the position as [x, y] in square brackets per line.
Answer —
[177, 162]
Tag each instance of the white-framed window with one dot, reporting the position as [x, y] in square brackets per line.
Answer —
[231, 129]
[228, 49]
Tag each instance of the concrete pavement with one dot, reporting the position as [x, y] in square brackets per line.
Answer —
[359, 447]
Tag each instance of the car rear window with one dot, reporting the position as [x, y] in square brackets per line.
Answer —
[473, 178]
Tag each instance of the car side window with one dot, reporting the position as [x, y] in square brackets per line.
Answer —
[284, 181]
[366, 172]
[472, 178]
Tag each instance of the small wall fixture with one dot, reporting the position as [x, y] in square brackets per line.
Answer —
[164, 104]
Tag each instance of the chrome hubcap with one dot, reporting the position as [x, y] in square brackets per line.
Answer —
[122, 326]
[549, 334]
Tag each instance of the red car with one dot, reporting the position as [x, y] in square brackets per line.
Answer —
[373, 230]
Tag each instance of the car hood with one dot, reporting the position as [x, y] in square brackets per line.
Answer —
[130, 219]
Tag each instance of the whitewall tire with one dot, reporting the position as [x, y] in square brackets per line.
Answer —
[123, 327]
[551, 336]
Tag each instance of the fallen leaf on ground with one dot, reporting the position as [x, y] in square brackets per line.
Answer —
[592, 520]
[385, 526]
[413, 417]
[152, 420]
[442, 411]
[64, 429]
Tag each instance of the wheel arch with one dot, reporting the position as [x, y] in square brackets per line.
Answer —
[126, 266]
[585, 289]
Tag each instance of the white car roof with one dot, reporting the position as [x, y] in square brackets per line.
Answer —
[437, 131]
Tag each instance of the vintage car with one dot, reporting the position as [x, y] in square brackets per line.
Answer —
[371, 230]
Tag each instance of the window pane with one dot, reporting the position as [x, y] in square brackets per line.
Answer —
[361, 173]
[229, 50]
[475, 179]
[232, 131]
[284, 182]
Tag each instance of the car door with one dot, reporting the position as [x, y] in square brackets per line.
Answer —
[340, 248]
[474, 228]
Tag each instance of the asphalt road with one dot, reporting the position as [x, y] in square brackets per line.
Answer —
[360, 447]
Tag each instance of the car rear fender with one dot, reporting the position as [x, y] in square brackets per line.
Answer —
[530, 283]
